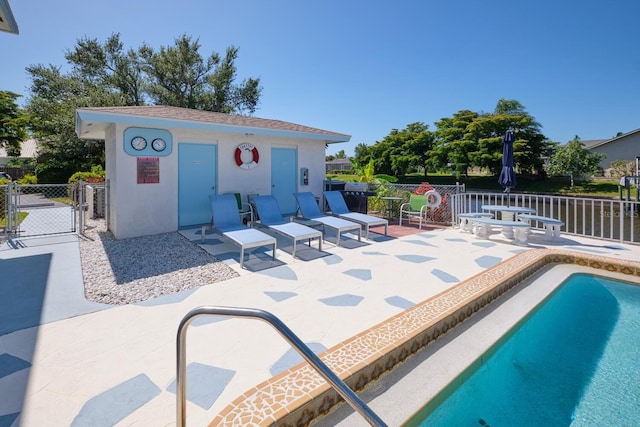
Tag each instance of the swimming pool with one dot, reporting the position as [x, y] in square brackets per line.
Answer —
[407, 360]
[574, 361]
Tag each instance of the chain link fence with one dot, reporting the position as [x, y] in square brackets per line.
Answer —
[4, 212]
[38, 209]
[42, 209]
[440, 214]
[378, 202]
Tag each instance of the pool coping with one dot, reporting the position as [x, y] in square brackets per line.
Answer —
[298, 396]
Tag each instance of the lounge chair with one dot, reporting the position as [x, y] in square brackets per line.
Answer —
[271, 217]
[417, 207]
[339, 208]
[310, 210]
[228, 222]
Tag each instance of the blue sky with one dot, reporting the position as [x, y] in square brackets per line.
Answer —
[364, 68]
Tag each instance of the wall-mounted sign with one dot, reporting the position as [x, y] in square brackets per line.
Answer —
[148, 170]
[147, 142]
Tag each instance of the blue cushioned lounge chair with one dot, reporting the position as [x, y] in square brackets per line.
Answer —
[339, 208]
[271, 217]
[228, 222]
[310, 210]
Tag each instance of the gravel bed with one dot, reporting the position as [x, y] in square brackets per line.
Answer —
[136, 269]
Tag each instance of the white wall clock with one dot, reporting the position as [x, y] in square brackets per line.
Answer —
[158, 144]
[138, 143]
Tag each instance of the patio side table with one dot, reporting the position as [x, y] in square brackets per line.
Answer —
[390, 200]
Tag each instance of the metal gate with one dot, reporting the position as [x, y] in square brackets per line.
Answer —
[38, 209]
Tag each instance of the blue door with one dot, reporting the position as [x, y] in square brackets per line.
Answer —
[283, 178]
[196, 181]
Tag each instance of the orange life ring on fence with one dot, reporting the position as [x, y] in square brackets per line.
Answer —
[246, 148]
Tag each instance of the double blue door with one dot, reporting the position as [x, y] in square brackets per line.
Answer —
[197, 179]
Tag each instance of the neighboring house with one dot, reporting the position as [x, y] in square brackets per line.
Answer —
[623, 147]
[338, 165]
[27, 152]
[162, 163]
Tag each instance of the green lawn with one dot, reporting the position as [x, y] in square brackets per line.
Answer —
[595, 188]
[21, 217]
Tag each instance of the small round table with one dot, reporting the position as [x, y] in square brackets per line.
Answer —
[390, 200]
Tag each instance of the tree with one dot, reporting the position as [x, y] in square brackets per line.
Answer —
[13, 124]
[366, 172]
[470, 139]
[361, 153]
[175, 75]
[509, 106]
[451, 148]
[341, 155]
[574, 160]
[105, 74]
[180, 76]
[403, 150]
[417, 145]
[530, 146]
[55, 98]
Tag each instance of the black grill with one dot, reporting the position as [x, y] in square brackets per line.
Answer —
[357, 201]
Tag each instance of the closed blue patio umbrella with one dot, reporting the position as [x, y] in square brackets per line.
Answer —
[507, 177]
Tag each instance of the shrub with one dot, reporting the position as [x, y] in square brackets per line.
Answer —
[96, 175]
[28, 179]
[620, 168]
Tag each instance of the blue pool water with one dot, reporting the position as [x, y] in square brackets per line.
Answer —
[574, 362]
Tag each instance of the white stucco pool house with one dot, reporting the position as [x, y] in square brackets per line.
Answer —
[163, 162]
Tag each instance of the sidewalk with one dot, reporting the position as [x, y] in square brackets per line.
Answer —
[41, 282]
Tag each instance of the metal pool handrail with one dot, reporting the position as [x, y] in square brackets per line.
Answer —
[347, 394]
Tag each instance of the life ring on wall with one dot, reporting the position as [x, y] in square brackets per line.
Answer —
[433, 198]
[243, 150]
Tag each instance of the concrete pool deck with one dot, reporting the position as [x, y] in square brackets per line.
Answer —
[81, 363]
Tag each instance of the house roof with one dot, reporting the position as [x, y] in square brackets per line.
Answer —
[339, 161]
[28, 149]
[91, 123]
[601, 142]
[7, 22]
[592, 142]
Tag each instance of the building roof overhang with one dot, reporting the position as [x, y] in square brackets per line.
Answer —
[7, 21]
[92, 123]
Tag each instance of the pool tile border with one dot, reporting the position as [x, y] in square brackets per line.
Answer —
[299, 395]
